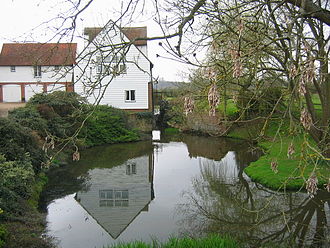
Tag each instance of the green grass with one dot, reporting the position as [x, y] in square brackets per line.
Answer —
[231, 108]
[208, 242]
[171, 130]
[292, 172]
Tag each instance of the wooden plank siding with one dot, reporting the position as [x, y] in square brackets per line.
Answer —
[137, 76]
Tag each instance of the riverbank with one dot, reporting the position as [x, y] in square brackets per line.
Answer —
[288, 160]
[47, 130]
[207, 242]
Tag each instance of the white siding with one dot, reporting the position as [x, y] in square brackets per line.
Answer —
[55, 87]
[25, 74]
[110, 90]
[11, 93]
[31, 90]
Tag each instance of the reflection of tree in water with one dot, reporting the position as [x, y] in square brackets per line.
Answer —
[224, 201]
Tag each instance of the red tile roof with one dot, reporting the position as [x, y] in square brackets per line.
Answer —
[38, 54]
[134, 33]
[131, 33]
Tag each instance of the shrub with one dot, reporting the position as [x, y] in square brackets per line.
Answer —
[3, 236]
[261, 103]
[17, 140]
[29, 117]
[62, 111]
[59, 102]
[107, 125]
[17, 176]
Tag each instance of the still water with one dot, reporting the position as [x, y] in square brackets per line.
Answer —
[176, 185]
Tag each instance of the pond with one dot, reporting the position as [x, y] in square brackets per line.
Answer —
[177, 185]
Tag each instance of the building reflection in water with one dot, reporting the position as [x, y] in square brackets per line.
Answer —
[116, 196]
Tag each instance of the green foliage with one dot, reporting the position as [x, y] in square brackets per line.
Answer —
[17, 176]
[59, 103]
[62, 111]
[3, 236]
[145, 115]
[163, 117]
[254, 103]
[107, 125]
[17, 140]
[211, 241]
[231, 109]
[29, 117]
[40, 181]
[171, 130]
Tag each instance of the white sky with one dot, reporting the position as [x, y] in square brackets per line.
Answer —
[20, 21]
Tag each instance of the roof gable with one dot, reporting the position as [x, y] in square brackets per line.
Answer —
[38, 54]
[131, 33]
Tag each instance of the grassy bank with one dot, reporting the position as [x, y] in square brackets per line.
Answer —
[288, 172]
[208, 242]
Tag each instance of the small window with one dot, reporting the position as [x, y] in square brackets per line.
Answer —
[13, 68]
[131, 169]
[130, 95]
[37, 71]
[57, 67]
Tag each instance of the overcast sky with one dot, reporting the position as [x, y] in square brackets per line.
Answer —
[21, 20]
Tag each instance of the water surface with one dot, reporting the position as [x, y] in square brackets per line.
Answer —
[177, 185]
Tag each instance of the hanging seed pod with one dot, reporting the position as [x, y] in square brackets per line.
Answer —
[213, 98]
[311, 185]
[237, 64]
[49, 143]
[307, 76]
[189, 105]
[291, 150]
[302, 87]
[293, 72]
[306, 119]
[327, 186]
[274, 166]
[240, 27]
[76, 156]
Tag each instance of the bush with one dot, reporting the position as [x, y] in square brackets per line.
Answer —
[17, 140]
[59, 102]
[17, 176]
[29, 117]
[107, 125]
[261, 103]
[3, 236]
[62, 112]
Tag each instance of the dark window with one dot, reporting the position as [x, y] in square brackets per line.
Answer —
[12, 68]
[37, 71]
[130, 95]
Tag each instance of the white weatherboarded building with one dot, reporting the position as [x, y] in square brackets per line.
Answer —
[30, 68]
[114, 69]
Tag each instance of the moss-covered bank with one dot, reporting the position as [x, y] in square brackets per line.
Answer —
[277, 169]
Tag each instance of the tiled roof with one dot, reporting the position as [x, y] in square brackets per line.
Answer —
[38, 54]
[131, 33]
[136, 32]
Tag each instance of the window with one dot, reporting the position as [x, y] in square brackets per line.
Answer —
[12, 68]
[130, 95]
[110, 64]
[37, 71]
[57, 67]
[113, 198]
[131, 169]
